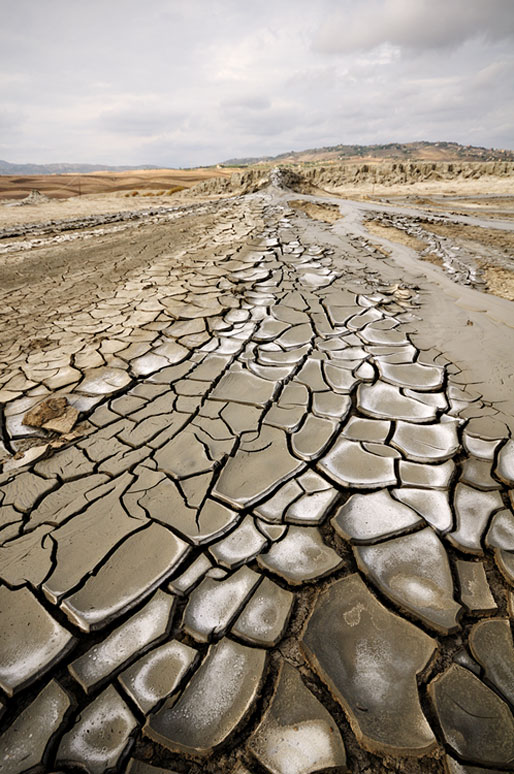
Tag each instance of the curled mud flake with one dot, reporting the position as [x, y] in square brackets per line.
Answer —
[475, 722]
[214, 703]
[369, 658]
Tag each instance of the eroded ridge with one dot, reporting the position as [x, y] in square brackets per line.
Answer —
[271, 545]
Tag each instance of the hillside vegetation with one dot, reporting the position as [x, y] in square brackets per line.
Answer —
[410, 151]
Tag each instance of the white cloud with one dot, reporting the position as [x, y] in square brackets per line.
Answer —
[413, 24]
[194, 83]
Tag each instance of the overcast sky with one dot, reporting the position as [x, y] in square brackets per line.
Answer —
[187, 82]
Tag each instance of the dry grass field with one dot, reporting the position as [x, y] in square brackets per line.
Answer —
[64, 186]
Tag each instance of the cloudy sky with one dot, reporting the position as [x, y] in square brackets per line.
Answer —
[187, 82]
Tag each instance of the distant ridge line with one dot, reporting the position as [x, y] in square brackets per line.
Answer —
[6, 168]
[413, 151]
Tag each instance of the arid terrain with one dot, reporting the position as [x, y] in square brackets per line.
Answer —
[165, 181]
[257, 488]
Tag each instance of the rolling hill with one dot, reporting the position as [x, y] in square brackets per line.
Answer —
[411, 151]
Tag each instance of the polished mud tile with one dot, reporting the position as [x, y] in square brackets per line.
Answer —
[215, 702]
[475, 722]
[360, 429]
[184, 456]
[369, 658]
[312, 507]
[433, 476]
[295, 337]
[171, 351]
[157, 674]
[330, 405]
[135, 635]
[25, 490]
[454, 767]
[463, 658]
[294, 394]
[501, 532]
[259, 465]
[288, 419]
[301, 556]
[272, 532]
[381, 449]
[23, 744]
[475, 593]
[214, 604]
[505, 562]
[31, 641]
[372, 335]
[365, 372]
[273, 374]
[313, 437]
[140, 564]
[426, 443]
[196, 488]
[100, 736]
[297, 735]
[83, 541]
[477, 473]
[385, 401]
[433, 505]
[243, 387]
[505, 464]
[491, 644]
[241, 546]
[183, 584]
[270, 329]
[67, 464]
[265, 616]
[412, 375]
[27, 558]
[340, 380]
[268, 355]
[167, 505]
[274, 509]
[366, 518]
[349, 464]
[473, 510]
[103, 380]
[436, 399]
[360, 320]
[240, 418]
[415, 573]
[484, 450]
[69, 499]
[311, 376]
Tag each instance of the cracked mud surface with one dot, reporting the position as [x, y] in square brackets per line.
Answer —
[261, 519]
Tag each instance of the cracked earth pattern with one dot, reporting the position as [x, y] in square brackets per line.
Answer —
[282, 539]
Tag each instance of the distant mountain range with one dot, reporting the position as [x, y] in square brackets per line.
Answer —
[410, 151]
[61, 169]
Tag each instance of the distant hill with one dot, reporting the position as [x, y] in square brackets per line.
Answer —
[415, 151]
[61, 169]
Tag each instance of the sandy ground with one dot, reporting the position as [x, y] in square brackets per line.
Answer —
[79, 206]
[485, 186]
[328, 213]
[395, 235]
